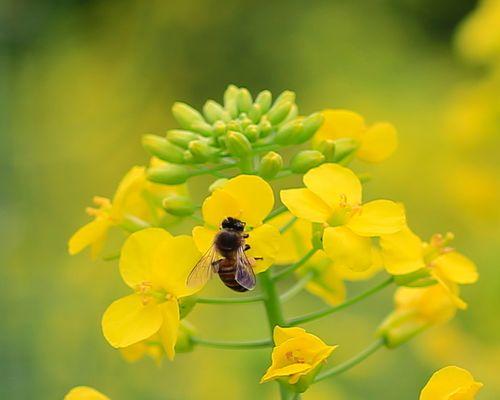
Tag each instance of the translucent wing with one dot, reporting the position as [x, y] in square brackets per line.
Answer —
[204, 269]
[244, 271]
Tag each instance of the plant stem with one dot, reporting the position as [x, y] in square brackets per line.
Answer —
[203, 171]
[345, 366]
[297, 288]
[330, 310]
[277, 211]
[288, 270]
[243, 345]
[229, 300]
[288, 225]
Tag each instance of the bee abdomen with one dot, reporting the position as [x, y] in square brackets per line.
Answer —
[227, 272]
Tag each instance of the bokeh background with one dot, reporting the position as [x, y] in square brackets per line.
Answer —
[82, 80]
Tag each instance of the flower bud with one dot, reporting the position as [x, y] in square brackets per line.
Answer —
[265, 127]
[286, 95]
[233, 126]
[294, 112]
[184, 343]
[231, 100]
[163, 149]
[203, 128]
[311, 124]
[237, 144]
[270, 165]
[180, 206]
[181, 138]
[219, 183]
[255, 113]
[219, 128]
[169, 174]
[244, 121]
[186, 304]
[288, 132]
[186, 115]
[304, 160]
[252, 132]
[213, 111]
[344, 149]
[327, 148]
[279, 111]
[397, 329]
[244, 100]
[201, 150]
[264, 100]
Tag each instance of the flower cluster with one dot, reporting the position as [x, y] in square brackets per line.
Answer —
[322, 233]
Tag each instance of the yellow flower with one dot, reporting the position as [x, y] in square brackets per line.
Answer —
[155, 265]
[151, 347]
[375, 143]
[404, 252]
[84, 393]
[451, 383]
[136, 199]
[248, 198]
[296, 354]
[415, 310]
[332, 197]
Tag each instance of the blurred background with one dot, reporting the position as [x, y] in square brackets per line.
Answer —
[81, 81]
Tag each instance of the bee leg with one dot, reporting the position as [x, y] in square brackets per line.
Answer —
[247, 247]
[258, 258]
[245, 236]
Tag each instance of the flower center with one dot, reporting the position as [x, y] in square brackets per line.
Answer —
[438, 245]
[148, 294]
[343, 212]
[103, 207]
[295, 357]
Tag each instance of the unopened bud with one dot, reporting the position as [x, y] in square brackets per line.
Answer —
[265, 127]
[252, 132]
[186, 115]
[286, 95]
[304, 160]
[201, 150]
[279, 111]
[219, 128]
[237, 144]
[170, 174]
[327, 148]
[311, 124]
[178, 205]
[345, 149]
[203, 128]
[213, 111]
[219, 183]
[181, 138]
[270, 165]
[255, 113]
[231, 100]
[163, 149]
[288, 132]
[184, 343]
[244, 100]
[399, 327]
[264, 100]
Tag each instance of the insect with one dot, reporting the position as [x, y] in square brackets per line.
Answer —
[227, 258]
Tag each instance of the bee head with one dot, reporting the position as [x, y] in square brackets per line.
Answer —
[233, 224]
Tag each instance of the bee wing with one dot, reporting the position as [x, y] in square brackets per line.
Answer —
[204, 269]
[244, 272]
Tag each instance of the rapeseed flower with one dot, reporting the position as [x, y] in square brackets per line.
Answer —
[451, 383]
[84, 393]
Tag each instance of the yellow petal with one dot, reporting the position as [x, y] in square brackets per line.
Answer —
[295, 242]
[379, 217]
[93, 232]
[328, 285]
[170, 327]
[451, 383]
[348, 249]
[288, 370]
[334, 184]
[402, 252]
[254, 196]
[84, 393]
[220, 205]
[457, 268]
[137, 254]
[264, 243]
[305, 204]
[203, 238]
[172, 264]
[350, 275]
[281, 335]
[340, 124]
[128, 321]
[378, 142]
[130, 186]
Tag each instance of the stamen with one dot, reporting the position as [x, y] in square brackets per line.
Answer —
[101, 201]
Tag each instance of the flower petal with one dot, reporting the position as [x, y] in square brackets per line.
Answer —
[93, 232]
[203, 238]
[137, 255]
[254, 196]
[305, 204]
[334, 184]
[84, 393]
[457, 268]
[379, 217]
[281, 335]
[264, 243]
[218, 206]
[340, 124]
[402, 252]
[348, 249]
[448, 382]
[128, 321]
[170, 327]
[288, 370]
[328, 285]
[378, 142]
[295, 242]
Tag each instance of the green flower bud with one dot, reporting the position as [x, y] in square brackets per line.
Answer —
[184, 343]
[288, 132]
[255, 113]
[213, 111]
[327, 148]
[169, 174]
[237, 144]
[279, 111]
[244, 122]
[231, 100]
[201, 150]
[294, 112]
[264, 100]
[219, 128]
[186, 115]
[398, 328]
[233, 126]
[311, 125]
[286, 95]
[345, 149]
[163, 149]
[252, 132]
[181, 138]
[304, 160]
[203, 127]
[244, 100]
[180, 206]
[217, 184]
[265, 127]
[270, 165]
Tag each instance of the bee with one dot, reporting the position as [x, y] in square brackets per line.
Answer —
[227, 258]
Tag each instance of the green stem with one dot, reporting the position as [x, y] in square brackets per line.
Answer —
[228, 300]
[283, 174]
[288, 270]
[345, 366]
[297, 288]
[203, 171]
[277, 211]
[288, 225]
[243, 345]
[330, 310]
[246, 165]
